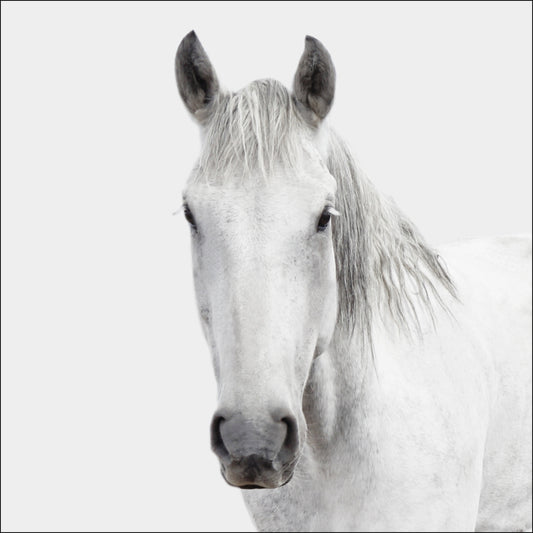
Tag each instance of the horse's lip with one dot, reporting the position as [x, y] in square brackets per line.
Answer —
[247, 486]
[251, 486]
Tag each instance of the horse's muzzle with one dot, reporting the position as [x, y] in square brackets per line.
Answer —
[255, 454]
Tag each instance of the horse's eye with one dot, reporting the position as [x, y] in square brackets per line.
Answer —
[189, 217]
[323, 221]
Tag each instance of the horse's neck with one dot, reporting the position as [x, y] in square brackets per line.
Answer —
[344, 392]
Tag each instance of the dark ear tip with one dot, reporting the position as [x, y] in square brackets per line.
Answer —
[188, 42]
[312, 42]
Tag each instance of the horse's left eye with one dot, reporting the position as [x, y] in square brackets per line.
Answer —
[323, 221]
[189, 217]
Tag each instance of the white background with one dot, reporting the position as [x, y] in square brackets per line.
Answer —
[107, 386]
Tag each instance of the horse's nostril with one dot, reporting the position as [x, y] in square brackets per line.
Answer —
[291, 442]
[217, 443]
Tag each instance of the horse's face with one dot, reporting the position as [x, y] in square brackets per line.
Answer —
[264, 273]
[265, 280]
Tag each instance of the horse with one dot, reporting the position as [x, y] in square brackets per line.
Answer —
[366, 381]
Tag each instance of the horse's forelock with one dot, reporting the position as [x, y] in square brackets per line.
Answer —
[251, 133]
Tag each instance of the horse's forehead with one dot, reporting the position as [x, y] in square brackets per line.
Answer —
[312, 181]
[293, 195]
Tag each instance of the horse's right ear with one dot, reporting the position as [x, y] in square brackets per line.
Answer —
[314, 81]
[197, 81]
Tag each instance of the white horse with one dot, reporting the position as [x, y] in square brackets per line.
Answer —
[365, 381]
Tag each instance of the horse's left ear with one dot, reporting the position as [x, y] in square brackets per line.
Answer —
[196, 77]
[314, 81]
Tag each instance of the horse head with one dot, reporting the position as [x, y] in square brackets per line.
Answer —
[260, 203]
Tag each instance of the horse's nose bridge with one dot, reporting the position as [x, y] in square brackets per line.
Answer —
[257, 283]
[253, 311]
[256, 355]
[257, 384]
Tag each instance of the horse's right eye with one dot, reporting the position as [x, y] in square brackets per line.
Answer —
[323, 221]
[325, 217]
[189, 217]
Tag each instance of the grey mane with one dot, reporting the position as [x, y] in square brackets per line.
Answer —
[250, 133]
[382, 260]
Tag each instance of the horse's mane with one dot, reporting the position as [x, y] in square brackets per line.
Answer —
[383, 263]
[249, 133]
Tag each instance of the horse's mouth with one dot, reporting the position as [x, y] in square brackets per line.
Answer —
[260, 482]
